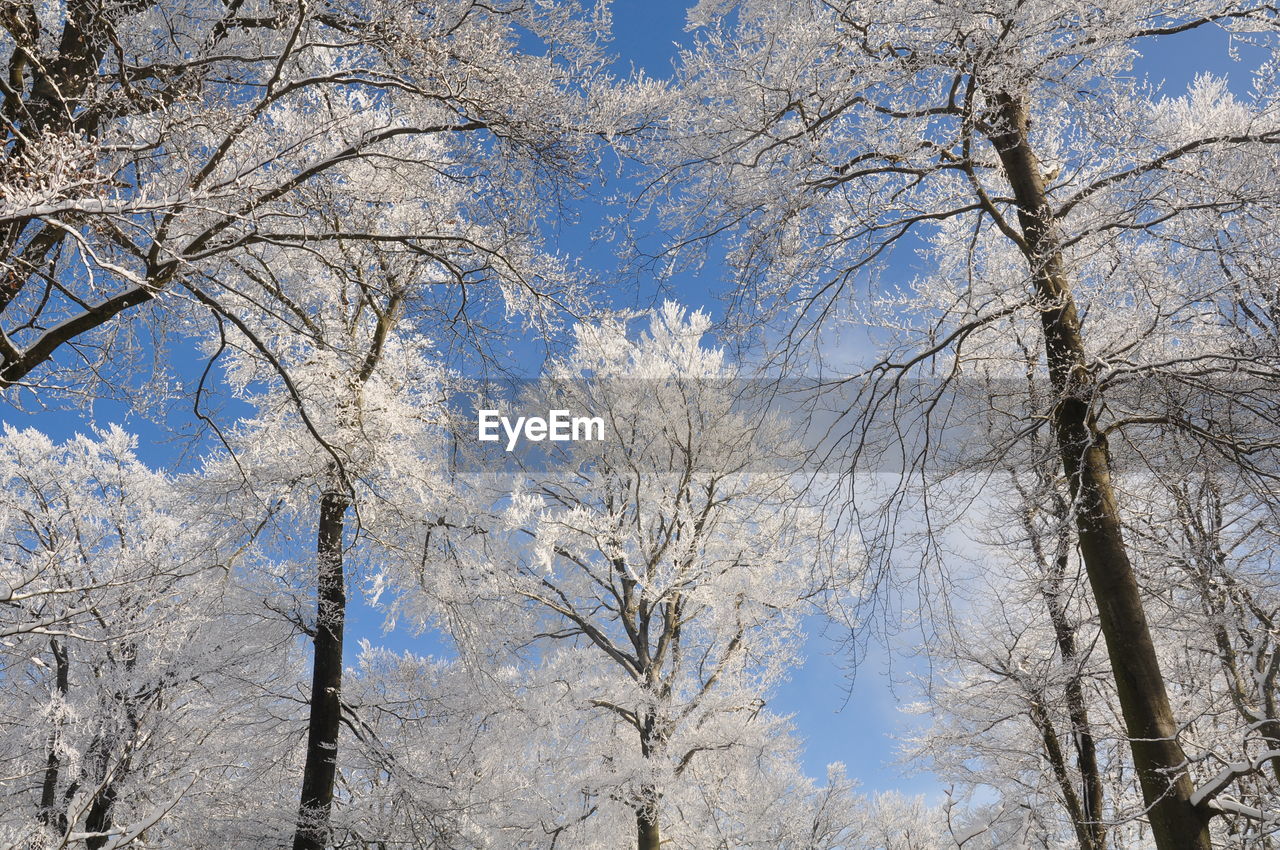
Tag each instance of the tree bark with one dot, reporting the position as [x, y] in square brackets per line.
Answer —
[1086, 810]
[101, 813]
[648, 835]
[320, 769]
[53, 764]
[1058, 762]
[1091, 830]
[99, 819]
[1158, 758]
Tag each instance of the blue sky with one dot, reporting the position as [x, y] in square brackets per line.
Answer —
[842, 719]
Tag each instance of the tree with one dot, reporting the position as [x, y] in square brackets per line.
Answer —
[150, 145]
[131, 656]
[1023, 656]
[1002, 708]
[654, 580]
[348, 410]
[1208, 536]
[1052, 197]
[292, 184]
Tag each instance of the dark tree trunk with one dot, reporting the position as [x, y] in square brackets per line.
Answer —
[1086, 805]
[99, 818]
[1058, 762]
[1158, 758]
[1090, 829]
[53, 764]
[321, 765]
[58, 86]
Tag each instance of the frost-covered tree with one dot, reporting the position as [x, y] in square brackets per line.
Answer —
[1209, 539]
[1057, 201]
[1018, 704]
[349, 420]
[516, 749]
[331, 199]
[1015, 702]
[148, 145]
[653, 581]
[133, 665]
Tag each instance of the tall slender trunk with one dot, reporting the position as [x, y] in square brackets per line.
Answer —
[99, 819]
[321, 765]
[1086, 804]
[1158, 758]
[320, 769]
[1090, 829]
[53, 764]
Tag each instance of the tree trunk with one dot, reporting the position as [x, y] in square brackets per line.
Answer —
[58, 86]
[1058, 762]
[321, 765]
[647, 834]
[1091, 829]
[53, 764]
[1158, 758]
[99, 819]
[101, 813]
